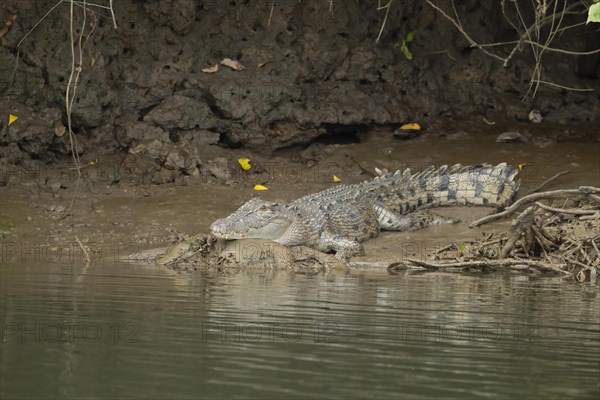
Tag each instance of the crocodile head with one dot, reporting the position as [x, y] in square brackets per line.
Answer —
[257, 219]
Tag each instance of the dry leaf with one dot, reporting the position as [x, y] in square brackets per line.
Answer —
[211, 70]
[12, 118]
[411, 127]
[59, 129]
[263, 64]
[336, 179]
[233, 64]
[8, 22]
[260, 187]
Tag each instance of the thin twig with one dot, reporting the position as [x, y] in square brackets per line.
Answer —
[596, 248]
[387, 11]
[85, 253]
[578, 263]
[363, 169]
[39, 22]
[495, 241]
[465, 34]
[571, 52]
[537, 238]
[595, 198]
[271, 13]
[112, 13]
[520, 224]
[537, 81]
[446, 247]
[583, 253]
[547, 181]
[70, 98]
[571, 211]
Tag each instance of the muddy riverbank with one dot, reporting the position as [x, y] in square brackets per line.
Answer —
[114, 213]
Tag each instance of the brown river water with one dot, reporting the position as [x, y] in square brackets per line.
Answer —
[110, 329]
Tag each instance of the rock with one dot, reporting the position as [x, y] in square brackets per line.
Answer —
[136, 131]
[181, 157]
[535, 116]
[457, 135]
[287, 134]
[542, 142]
[179, 15]
[153, 148]
[12, 154]
[33, 132]
[183, 113]
[141, 169]
[404, 134]
[164, 176]
[346, 104]
[200, 137]
[216, 168]
[511, 137]
[175, 159]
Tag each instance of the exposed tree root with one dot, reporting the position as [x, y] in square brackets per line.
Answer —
[543, 238]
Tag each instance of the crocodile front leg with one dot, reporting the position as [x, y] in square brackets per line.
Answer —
[344, 247]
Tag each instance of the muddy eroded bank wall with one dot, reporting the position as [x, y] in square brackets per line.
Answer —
[308, 70]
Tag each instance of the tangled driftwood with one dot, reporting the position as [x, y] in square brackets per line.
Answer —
[559, 239]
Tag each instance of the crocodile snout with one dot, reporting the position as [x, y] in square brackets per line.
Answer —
[222, 229]
[217, 228]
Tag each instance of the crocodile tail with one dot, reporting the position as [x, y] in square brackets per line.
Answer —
[486, 185]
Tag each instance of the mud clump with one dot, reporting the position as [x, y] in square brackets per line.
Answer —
[204, 252]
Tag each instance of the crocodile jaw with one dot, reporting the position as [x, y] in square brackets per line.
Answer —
[257, 219]
[222, 229]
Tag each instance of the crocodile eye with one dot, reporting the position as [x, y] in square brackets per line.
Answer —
[263, 208]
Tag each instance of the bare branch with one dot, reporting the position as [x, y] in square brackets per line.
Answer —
[581, 191]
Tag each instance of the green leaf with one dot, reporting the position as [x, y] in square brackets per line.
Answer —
[406, 52]
[593, 13]
[410, 36]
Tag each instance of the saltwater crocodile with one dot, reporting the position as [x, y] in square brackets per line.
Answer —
[341, 218]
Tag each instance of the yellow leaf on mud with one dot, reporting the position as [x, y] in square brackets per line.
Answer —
[233, 64]
[521, 166]
[260, 187]
[411, 127]
[244, 163]
[12, 118]
[211, 70]
[336, 179]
